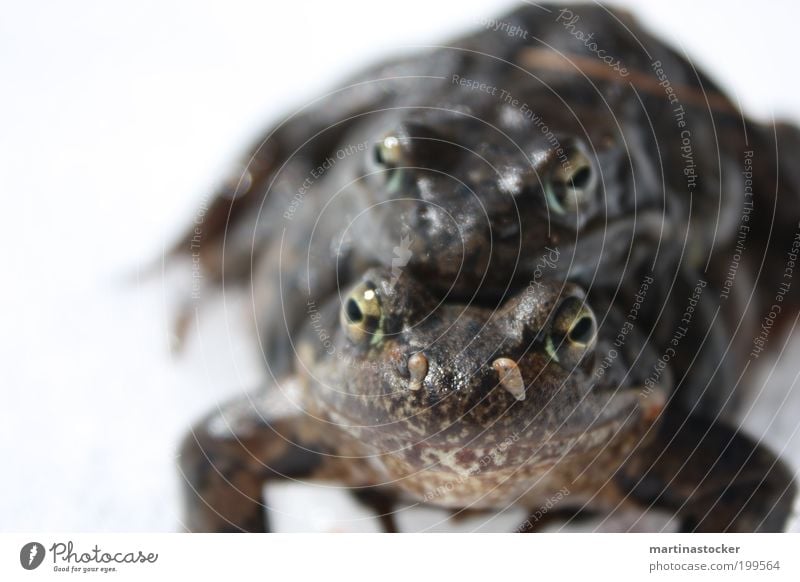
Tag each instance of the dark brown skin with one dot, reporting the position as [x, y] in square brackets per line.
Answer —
[459, 189]
[470, 190]
[402, 398]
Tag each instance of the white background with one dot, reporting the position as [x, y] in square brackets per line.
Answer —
[114, 120]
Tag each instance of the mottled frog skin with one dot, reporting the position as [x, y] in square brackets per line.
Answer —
[466, 163]
[466, 195]
[403, 398]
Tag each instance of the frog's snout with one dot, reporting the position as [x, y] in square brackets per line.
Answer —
[417, 370]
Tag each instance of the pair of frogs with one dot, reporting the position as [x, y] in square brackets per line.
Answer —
[510, 291]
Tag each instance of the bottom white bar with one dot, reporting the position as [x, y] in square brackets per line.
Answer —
[349, 557]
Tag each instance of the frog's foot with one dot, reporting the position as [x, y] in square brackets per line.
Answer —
[382, 502]
[228, 457]
[714, 478]
[539, 519]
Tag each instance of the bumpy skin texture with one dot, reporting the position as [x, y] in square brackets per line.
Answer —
[461, 202]
[452, 433]
[462, 197]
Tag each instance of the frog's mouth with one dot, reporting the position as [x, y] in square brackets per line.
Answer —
[595, 425]
[522, 461]
[602, 420]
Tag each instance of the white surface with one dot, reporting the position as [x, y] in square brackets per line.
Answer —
[114, 120]
[299, 508]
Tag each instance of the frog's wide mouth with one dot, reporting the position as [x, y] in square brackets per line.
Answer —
[618, 414]
[531, 455]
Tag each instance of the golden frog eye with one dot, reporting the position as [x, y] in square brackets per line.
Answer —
[573, 332]
[570, 184]
[362, 316]
[388, 156]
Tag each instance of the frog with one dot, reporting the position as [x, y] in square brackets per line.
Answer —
[475, 163]
[403, 398]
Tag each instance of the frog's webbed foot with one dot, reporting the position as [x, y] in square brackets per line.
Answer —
[714, 478]
[228, 457]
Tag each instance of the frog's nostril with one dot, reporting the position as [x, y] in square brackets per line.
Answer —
[417, 369]
[510, 377]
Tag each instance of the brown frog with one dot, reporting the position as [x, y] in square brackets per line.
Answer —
[469, 163]
[405, 398]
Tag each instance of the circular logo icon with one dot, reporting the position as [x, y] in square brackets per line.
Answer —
[31, 555]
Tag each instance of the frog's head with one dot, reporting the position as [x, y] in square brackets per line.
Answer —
[407, 375]
[479, 195]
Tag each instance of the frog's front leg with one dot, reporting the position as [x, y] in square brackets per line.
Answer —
[713, 477]
[382, 503]
[229, 456]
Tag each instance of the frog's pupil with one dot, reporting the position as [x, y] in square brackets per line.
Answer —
[581, 178]
[581, 332]
[378, 154]
[353, 311]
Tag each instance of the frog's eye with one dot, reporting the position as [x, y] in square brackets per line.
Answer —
[361, 315]
[573, 332]
[388, 158]
[570, 183]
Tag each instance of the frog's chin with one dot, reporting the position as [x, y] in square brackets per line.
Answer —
[602, 420]
[529, 464]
